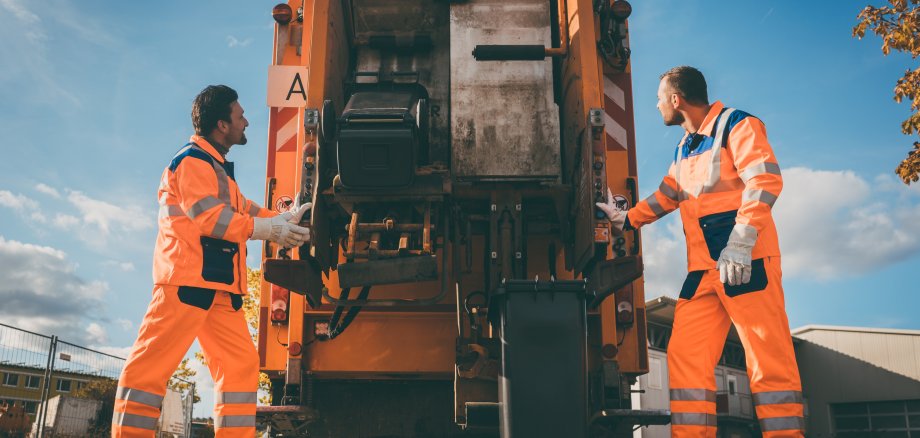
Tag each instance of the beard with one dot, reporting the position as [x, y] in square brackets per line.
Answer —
[242, 139]
[675, 119]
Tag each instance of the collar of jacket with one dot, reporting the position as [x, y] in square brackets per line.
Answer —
[709, 123]
[207, 147]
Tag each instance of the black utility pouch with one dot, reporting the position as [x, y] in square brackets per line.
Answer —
[196, 296]
[716, 230]
[217, 262]
[758, 281]
[236, 300]
[691, 284]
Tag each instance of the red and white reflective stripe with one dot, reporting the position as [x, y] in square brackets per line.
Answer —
[615, 115]
[286, 136]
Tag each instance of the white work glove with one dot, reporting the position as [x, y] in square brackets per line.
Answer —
[616, 216]
[734, 262]
[283, 229]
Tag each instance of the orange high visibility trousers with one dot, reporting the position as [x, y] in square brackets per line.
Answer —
[168, 330]
[704, 314]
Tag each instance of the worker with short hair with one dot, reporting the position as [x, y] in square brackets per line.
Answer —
[199, 275]
[725, 180]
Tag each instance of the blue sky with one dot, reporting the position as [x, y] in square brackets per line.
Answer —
[95, 98]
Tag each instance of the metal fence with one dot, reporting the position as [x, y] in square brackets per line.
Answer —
[54, 389]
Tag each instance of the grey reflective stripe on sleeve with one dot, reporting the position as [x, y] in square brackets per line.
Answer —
[759, 195]
[203, 205]
[759, 169]
[695, 394]
[138, 396]
[237, 397]
[254, 209]
[223, 221]
[777, 397]
[715, 166]
[655, 206]
[235, 421]
[693, 419]
[782, 423]
[223, 187]
[171, 210]
[130, 420]
[668, 191]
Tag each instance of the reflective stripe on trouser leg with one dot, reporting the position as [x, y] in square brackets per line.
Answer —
[166, 333]
[234, 363]
[700, 327]
[760, 318]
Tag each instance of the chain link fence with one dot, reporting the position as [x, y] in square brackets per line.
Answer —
[54, 389]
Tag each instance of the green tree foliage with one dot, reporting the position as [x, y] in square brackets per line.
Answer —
[182, 380]
[103, 390]
[898, 24]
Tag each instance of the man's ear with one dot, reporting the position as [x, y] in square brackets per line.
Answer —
[223, 126]
[675, 100]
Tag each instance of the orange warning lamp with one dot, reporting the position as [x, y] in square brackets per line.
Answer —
[282, 13]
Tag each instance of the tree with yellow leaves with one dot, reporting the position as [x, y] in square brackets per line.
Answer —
[898, 24]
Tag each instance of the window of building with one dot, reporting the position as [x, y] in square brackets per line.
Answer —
[893, 418]
[733, 356]
[732, 383]
[63, 385]
[34, 382]
[10, 379]
[658, 336]
[31, 407]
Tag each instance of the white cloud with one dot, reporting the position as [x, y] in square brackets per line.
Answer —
[48, 190]
[25, 39]
[106, 217]
[121, 352]
[96, 334]
[20, 203]
[19, 11]
[124, 324]
[41, 291]
[830, 224]
[65, 221]
[664, 256]
[96, 221]
[834, 223]
[232, 41]
[122, 266]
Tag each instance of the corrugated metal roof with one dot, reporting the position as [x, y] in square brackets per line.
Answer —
[836, 328]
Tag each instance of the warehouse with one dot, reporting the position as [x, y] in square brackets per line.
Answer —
[856, 381]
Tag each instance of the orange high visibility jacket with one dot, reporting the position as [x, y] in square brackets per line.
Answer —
[725, 179]
[204, 222]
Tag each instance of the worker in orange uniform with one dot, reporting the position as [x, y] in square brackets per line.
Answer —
[725, 179]
[199, 275]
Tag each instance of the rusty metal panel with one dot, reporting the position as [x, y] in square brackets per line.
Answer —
[407, 343]
[421, 37]
[504, 122]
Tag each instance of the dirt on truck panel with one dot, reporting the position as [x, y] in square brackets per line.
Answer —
[460, 280]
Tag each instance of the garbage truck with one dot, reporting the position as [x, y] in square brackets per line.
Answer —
[460, 280]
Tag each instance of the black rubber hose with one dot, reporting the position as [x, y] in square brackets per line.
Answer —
[350, 316]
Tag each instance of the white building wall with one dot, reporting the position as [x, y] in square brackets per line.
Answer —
[842, 364]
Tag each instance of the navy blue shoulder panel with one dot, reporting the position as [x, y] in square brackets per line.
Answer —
[190, 152]
[736, 117]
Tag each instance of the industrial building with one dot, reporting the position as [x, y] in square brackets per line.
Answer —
[857, 382]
